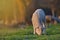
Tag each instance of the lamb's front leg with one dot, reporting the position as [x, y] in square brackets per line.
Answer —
[34, 31]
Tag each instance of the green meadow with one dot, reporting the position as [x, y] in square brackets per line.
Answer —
[53, 33]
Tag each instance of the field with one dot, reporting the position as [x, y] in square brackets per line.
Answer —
[53, 33]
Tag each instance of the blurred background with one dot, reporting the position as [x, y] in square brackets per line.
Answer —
[16, 14]
[20, 11]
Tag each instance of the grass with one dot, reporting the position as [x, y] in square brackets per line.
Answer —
[27, 33]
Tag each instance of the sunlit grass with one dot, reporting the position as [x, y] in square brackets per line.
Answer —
[53, 33]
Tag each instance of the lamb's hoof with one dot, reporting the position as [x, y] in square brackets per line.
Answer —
[44, 34]
[34, 33]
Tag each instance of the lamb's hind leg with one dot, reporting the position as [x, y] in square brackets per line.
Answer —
[43, 29]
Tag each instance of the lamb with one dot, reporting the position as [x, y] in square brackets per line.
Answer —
[38, 21]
